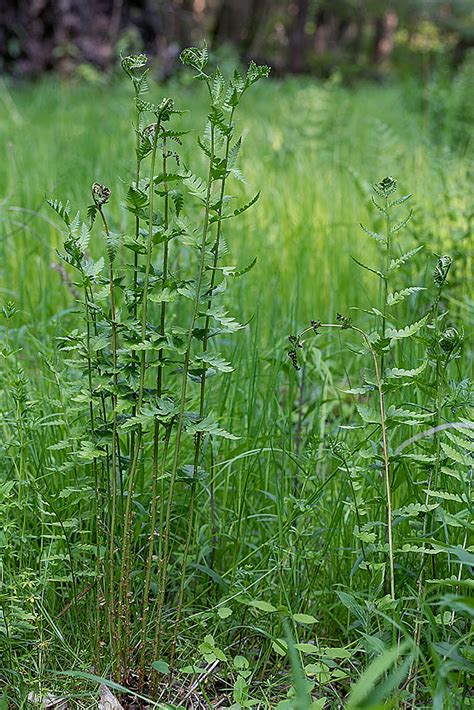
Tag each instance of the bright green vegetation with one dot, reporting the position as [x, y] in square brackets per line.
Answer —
[322, 542]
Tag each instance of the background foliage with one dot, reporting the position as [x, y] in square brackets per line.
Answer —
[356, 37]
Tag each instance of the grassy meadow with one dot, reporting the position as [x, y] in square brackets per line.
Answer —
[278, 590]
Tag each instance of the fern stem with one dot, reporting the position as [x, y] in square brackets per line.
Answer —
[388, 250]
[124, 597]
[202, 393]
[388, 487]
[184, 385]
[135, 261]
[156, 433]
[96, 476]
[115, 443]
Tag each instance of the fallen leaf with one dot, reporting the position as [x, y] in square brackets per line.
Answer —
[108, 701]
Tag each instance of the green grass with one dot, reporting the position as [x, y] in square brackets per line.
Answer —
[307, 139]
[313, 151]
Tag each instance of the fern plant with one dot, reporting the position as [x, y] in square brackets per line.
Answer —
[146, 356]
[403, 402]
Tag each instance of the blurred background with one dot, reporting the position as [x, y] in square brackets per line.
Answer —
[356, 39]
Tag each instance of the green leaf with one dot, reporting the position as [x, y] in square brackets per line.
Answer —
[195, 185]
[368, 268]
[304, 619]
[256, 72]
[210, 651]
[337, 653]
[178, 200]
[89, 452]
[400, 200]
[98, 342]
[374, 235]
[91, 214]
[398, 373]
[234, 272]
[195, 57]
[300, 684]
[402, 224]
[168, 294]
[262, 605]
[215, 361]
[83, 237]
[407, 416]
[218, 86]
[456, 455]
[63, 211]
[367, 415]
[280, 646]
[408, 331]
[414, 509]
[161, 667]
[212, 574]
[462, 604]
[364, 691]
[133, 61]
[319, 704]
[233, 153]
[463, 442]
[398, 296]
[113, 241]
[192, 670]
[247, 205]
[241, 663]
[397, 263]
[224, 612]
[208, 425]
[228, 324]
[190, 473]
[307, 648]
[135, 200]
[161, 110]
[162, 410]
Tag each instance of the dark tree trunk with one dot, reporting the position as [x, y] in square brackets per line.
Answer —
[462, 47]
[184, 22]
[230, 22]
[257, 11]
[385, 27]
[297, 36]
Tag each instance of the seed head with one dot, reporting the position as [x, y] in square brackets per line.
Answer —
[315, 324]
[100, 194]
